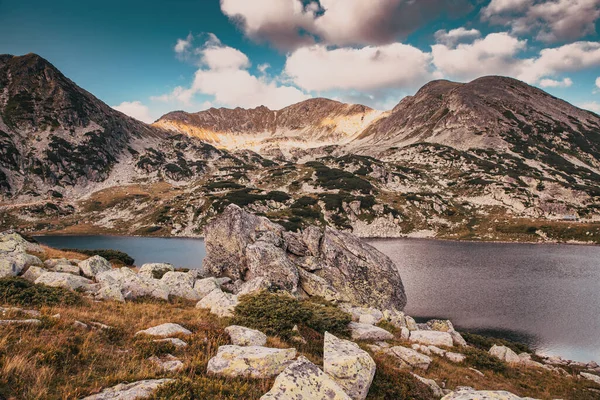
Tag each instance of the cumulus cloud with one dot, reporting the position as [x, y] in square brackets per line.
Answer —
[319, 68]
[290, 24]
[136, 110]
[550, 20]
[183, 45]
[455, 36]
[598, 82]
[224, 75]
[552, 83]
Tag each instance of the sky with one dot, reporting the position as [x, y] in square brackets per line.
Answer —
[146, 58]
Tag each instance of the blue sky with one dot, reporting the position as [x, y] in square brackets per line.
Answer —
[149, 57]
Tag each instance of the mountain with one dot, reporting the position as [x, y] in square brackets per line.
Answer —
[493, 159]
[311, 123]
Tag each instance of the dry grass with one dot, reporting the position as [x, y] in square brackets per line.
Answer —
[50, 252]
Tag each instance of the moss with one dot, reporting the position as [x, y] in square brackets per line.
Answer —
[19, 292]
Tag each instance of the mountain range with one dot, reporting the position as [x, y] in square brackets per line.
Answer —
[492, 159]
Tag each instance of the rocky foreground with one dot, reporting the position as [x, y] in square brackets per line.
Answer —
[250, 259]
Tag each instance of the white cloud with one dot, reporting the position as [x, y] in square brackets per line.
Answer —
[224, 75]
[565, 83]
[598, 82]
[455, 36]
[184, 45]
[318, 68]
[495, 54]
[136, 110]
[551, 20]
[290, 24]
[592, 106]
[262, 68]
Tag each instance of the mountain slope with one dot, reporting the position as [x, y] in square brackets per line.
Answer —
[311, 123]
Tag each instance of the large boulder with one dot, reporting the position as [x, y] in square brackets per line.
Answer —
[163, 330]
[360, 331]
[155, 270]
[408, 358]
[315, 262]
[219, 303]
[204, 286]
[433, 338]
[350, 367]
[590, 377]
[467, 393]
[129, 391]
[180, 284]
[304, 380]
[12, 242]
[250, 362]
[505, 354]
[64, 280]
[242, 336]
[33, 273]
[12, 264]
[93, 266]
[133, 285]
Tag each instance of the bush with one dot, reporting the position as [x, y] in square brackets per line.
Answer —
[214, 388]
[19, 292]
[276, 315]
[485, 343]
[482, 360]
[147, 347]
[110, 255]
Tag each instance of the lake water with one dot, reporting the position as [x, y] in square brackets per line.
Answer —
[547, 296]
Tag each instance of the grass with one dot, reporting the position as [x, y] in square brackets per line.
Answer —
[19, 292]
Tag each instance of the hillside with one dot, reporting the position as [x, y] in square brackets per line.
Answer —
[494, 159]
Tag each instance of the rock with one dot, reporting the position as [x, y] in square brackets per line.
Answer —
[433, 338]
[167, 329]
[180, 284]
[478, 372]
[10, 266]
[404, 333]
[349, 366]
[411, 324]
[455, 357]
[100, 325]
[33, 273]
[364, 315]
[133, 285]
[220, 303]
[243, 246]
[51, 263]
[204, 286]
[253, 286]
[109, 292]
[360, 331]
[155, 270]
[67, 268]
[250, 362]
[174, 341]
[80, 325]
[303, 380]
[395, 317]
[168, 363]
[12, 242]
[93, 266]
[130, 391]
[64, 280]
[505, 354]
[441, 325]
[471, 394]
[591, 377]
[20, 322]
[437, 391]
[457, 339]
[408, 358]
[421, 348]
[242, 336]
[437, 351]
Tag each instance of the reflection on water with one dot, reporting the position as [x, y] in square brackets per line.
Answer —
[547, 296]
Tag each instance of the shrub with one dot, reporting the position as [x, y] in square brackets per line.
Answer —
[485, 343]
[212, 388]
[276, 314]
[392, 383]
[18, 291]
[482, 360]
[110, 255]
[147, 347]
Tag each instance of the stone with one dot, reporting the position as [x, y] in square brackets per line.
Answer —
[395, 317]
[364, 315]
[435, 388]
[303, 380]
[130, 391]
[64, 280]
[421, 348]
[20, 322]
[254, 286]
[51, 263]
[590, 377]
[349, 366]
[174, 341]
[219, 303]
[433, 338]
[411, 324]
[180, 284]
[133, 285]
[243, 246]
[471, 394]
[167, 363]
[67, 268]
[9, 266]
[167, 329]
[441, 325]
[93, 266]
[109, 292]
[478, 372]
[155, 270]
[80, 325]
[437, 351]
[455, 357]
[250, 362]
[12, 242]
[242, 336]
[204, 286]
[100, 325]
[408, 358]
[360, 331]
[505, 354]
[404, 333]
[33, 273]
[457, 339]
